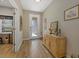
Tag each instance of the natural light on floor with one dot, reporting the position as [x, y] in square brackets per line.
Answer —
[33, 34]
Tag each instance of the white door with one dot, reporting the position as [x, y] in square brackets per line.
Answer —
[34, 26]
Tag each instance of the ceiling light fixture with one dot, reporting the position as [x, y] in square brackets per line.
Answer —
[37, 0]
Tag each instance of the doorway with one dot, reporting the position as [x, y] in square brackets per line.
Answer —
[34, 26]
[6, 33]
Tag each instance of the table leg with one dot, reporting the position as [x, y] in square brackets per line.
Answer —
[9, 38]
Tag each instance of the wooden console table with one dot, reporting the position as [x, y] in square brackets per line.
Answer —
[55, 44]
[5, 35]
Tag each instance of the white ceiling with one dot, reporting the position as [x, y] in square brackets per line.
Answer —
[5, 3]
[35, 6]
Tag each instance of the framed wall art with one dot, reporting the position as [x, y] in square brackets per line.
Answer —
[71, 13]
[45, 23]
[54, 28]
[20, 23]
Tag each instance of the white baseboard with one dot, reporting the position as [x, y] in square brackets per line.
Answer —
[27, 38]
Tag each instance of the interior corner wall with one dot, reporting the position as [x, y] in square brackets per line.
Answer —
[69, 28]
[18, 32]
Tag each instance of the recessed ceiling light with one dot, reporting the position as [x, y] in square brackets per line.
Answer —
[37, 0]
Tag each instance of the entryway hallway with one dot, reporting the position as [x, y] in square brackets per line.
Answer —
[29, 49]
[35, 49]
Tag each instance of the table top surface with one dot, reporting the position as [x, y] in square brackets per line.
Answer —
[5, 32]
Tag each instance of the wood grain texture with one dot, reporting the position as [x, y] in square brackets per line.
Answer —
[29, 49]
[55, 44]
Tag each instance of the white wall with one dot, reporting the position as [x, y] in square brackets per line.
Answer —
[6, 11]
[18, 32]
[26, 23]
[69, 28]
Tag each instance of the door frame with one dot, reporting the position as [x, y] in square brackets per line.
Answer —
[30, 25]
[15, 7]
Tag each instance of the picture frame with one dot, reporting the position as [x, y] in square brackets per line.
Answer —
[45, 22]
[20, 23]
[54, 28]
[71, 13]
